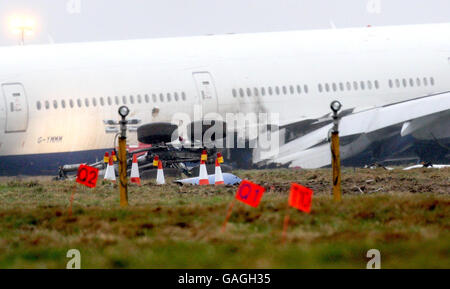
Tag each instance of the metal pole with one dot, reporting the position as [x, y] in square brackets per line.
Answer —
[336, 160]
[123, 181]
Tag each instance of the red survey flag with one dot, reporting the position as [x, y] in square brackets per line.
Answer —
[300, 197]
[87, 176]
[250, 193]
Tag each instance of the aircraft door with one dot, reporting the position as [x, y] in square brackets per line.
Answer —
[206, 91]
[16, 107]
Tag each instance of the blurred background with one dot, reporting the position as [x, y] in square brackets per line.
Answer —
[59, 21]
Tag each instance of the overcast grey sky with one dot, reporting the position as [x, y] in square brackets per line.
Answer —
[97, 20]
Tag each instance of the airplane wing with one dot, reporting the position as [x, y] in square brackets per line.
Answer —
[359, 129]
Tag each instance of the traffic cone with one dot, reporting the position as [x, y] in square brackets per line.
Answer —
[204, 156]
[203, 177]
[110, 173]
[160, 175]
[134, 176]
[218, 177]
[156, 161]
[220, 158]
[106, 158]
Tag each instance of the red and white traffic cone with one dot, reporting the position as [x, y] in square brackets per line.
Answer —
[134, 176]
[218, 177]
[110, 173]
[160, 175]
[203, 176]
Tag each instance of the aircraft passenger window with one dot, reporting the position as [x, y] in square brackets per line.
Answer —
[411, 82]
[391, 84]
[263, 91]
[299, 89]
[377, 84]
[183, 96]
[86, 101]
[124, 99]
[341, 86]
[397, 82]
[116, 98]
[161, 97]
[255, 92]
[241, 92]
[363, 86]
[404, 82]
[131, 99]
[291, 89]
[102, 101]
[320, 87]
[334, 86]
[305, 88]
[355, 85]
[369, 84]
[425, 81]
[55, 104]
[327, 87]
[38, 105]
[47, 104]
[175, 96]
[147, 98]
[234, 92]
[154, 98]
[270, 90]
[139, 98]
[249, 92]
[431, 80]
[94, 101]
[277, 90]
[79, 102]
[63, 103]
[284, 90]
[109, 100]
[418, 81]
[71, 103]
[169, 97]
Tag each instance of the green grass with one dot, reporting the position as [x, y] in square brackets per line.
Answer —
[403, 214]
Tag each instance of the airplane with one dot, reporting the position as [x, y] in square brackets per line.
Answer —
[393, 83]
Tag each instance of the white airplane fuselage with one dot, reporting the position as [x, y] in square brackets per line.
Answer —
[303, 70]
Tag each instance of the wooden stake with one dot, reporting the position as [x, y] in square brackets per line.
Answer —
[71, 200]
[230, 209]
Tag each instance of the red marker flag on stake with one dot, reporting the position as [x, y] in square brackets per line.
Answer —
[300, 198]
[250, 193]
[87, 176]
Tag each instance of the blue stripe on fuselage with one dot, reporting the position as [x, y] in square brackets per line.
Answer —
[46, 164]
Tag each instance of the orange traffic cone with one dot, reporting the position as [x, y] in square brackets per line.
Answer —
[156, 161]
[134, 176]
[106, 158]
[160, 175]
[220, 158]
[204, 156]
[110, 173]
[203, 177]
[218, 177]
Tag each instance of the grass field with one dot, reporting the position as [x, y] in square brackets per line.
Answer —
[404, 214]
